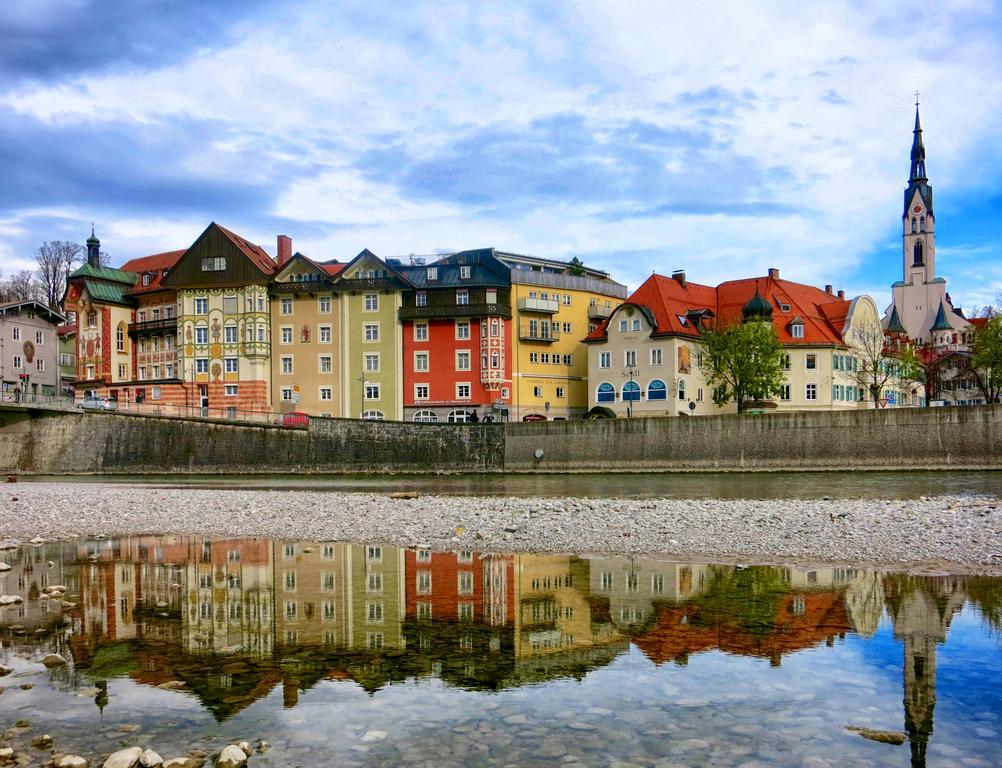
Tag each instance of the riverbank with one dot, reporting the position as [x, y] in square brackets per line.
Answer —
[952, 533]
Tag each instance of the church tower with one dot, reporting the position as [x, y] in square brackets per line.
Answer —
[918, 220]
[921, 309]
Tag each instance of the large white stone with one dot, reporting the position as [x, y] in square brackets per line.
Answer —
[231, 757]
[125, 758]
[151, 759]
[70, 761]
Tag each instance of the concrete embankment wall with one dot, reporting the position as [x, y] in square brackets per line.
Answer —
[52, 442]
[906, 438]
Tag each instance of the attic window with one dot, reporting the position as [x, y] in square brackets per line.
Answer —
[684, 320]
[797, 330]
[433, 273]
[464, 273]
[213, 263]
[147, 278]
[784, 307]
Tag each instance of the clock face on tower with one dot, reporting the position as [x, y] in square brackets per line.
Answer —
[917, 209]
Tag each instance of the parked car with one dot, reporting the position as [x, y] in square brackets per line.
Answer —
[98, 404]
[296, 419]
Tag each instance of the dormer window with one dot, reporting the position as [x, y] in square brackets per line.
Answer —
[432, 273]
[797, 329]
[147, 278]
[464, 273]
[784, 307]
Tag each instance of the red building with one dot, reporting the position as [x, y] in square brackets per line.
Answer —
[456, 325]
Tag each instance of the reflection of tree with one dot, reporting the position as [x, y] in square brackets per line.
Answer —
[986, 594]
[746, 597]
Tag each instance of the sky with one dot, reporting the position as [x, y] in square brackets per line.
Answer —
[723, 139]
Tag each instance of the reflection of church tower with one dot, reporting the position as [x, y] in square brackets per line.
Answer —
[921, 609]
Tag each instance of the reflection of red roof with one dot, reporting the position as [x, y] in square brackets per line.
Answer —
[155, 264]
[255, 253]
[803, 620]
[668, 300]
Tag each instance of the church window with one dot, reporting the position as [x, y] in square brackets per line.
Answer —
[914, 226]
[917, 253]
[922, 224]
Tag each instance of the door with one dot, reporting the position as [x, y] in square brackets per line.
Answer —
[203, 398]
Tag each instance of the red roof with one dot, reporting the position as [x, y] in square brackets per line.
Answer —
[67, 329]
[668, 300]
[978, 322]
[156, 264]
[332, 269]
[255, 253]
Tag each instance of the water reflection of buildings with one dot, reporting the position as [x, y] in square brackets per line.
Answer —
[234, 619]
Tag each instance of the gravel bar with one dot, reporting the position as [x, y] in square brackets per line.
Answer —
[960, 534]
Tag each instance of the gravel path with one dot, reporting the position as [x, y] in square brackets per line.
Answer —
[955, 533]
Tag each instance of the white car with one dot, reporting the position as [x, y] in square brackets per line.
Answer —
[97, 404]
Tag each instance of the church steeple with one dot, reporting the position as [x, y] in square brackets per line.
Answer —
[918, 150]
[93, 249]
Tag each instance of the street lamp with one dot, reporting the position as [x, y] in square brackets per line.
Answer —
[630, 373]
[361, 380]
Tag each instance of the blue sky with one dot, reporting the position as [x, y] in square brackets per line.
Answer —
[637, 136]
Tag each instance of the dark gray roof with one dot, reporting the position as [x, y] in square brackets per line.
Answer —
[485, 270]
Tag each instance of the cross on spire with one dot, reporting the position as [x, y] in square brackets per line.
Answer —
[916, 98]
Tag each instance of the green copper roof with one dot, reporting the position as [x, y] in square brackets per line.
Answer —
[757, 308]
[894, 324]
[941, 324]
[105, 273]
[113, 293]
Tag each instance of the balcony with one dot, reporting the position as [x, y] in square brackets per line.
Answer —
[540, 306]
[367, 284]
[163, 325]
[455, 310]
[255, 349]
[599, 311]
[544, 333]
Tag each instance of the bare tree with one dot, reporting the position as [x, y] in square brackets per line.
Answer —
[876, 362]
[20, 286]
[56, 261]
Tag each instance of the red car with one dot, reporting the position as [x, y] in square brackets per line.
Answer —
[296, 419]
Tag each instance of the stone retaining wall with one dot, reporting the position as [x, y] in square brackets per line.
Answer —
[53, 442]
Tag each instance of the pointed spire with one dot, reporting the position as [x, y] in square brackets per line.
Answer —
[918, 149]
[941, 323]
[894, 323]
[93, 249]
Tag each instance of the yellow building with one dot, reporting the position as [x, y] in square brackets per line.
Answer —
[306, 333]
[555, 304]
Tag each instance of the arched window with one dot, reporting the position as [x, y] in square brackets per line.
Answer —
[606, 393]
[681, 389]
[495, 328]
[657, 390]
[917, 253]
[373, 415]
[120, 338]
[460, 416]
[426, 417]
[922, 224]
[631, 391]
[92, 319]
[914, 230]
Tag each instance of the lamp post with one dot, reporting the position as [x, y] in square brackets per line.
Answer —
[630, 373]
[361, 380]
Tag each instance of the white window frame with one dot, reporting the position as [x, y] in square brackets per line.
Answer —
[464, 353]
[460, 385]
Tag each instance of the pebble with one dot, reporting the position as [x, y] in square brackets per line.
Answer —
[54, 660]
[70, 761]
[374, 736]
[124, 758]
[231, 757]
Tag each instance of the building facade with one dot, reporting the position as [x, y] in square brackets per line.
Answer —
[29, 350]
[457, 337]
[554, 306]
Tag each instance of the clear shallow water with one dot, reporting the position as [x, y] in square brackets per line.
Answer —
[369, 655]
[744, 485]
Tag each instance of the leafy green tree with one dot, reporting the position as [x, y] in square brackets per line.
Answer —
[743, 362]
[576, 266]
[986, 358]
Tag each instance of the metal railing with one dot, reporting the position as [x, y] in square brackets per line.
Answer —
[58, 402]
[153, 326]
[213, 413]
[549, 332]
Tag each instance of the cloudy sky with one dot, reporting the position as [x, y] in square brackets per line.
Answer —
[639, 136]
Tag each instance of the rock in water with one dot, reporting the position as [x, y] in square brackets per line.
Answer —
[5, 670]
[884, 737]
[181, 762]
[125, 758]
[151, 759]
[231, 757]
[70, 761]
[54, 660]
[42, 742]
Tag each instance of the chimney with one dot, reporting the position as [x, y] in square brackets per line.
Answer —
[284, 250]
[828, 288]
[679, 276]
[774, 273]
[841, 294]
